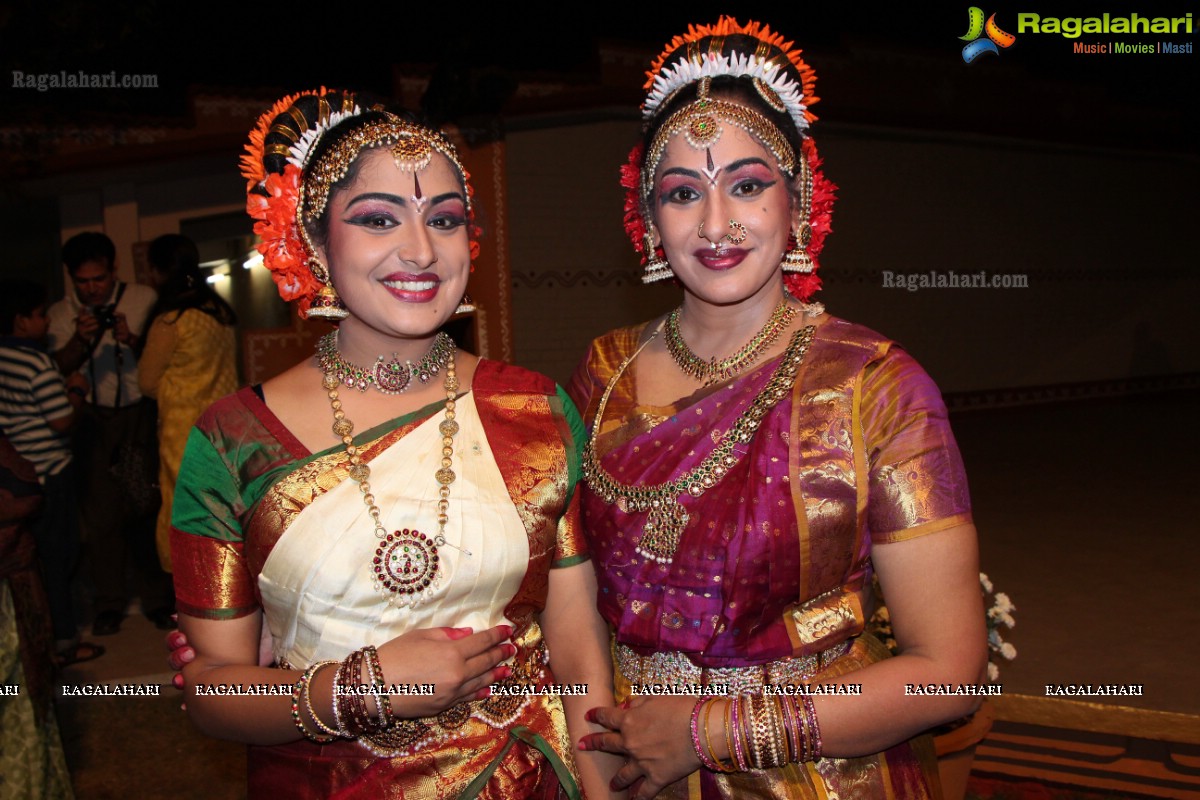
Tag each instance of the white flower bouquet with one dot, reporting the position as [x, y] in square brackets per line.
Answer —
[999, 619]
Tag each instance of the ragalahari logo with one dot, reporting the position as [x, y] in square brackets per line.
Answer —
[976, 28]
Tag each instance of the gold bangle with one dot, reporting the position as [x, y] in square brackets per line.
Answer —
[306, 695]
[299, 689]
[731, 767]
[729, 732]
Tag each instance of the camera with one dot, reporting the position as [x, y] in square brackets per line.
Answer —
[106, 315]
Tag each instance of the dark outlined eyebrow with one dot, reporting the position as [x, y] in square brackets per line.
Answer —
[688, 173]
[742, 162]
[396, 199]
[384, 196]
[441, 198]
[736, 165]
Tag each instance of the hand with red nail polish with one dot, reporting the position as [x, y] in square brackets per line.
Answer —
[179, 655]
[653, 734]
[461, 664]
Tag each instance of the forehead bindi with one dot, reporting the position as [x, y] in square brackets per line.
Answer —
[736, 148]
[378, 173]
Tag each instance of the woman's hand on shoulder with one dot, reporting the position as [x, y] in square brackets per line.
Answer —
[460, 664]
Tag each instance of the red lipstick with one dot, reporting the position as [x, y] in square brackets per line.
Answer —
[413, 288]
[722, 258]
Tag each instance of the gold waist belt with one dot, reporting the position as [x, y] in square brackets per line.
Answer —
[675, 671]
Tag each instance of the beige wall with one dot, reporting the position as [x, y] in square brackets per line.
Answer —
[145, 204]
[575, 275]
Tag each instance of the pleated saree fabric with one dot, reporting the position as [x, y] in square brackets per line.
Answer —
[261, 523]
[774, 565]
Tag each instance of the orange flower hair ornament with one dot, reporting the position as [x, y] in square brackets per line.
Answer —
[767, 66]
[274, 198]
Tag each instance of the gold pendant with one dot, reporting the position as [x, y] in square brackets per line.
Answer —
[663, 529]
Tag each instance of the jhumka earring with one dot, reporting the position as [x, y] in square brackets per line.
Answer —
[465, 306]
[797, 259]
[657, 269]
[327, 304]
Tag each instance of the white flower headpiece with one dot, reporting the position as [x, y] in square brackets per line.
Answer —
[299, 152]
[672, 79]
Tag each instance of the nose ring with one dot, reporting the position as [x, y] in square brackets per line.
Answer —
[737, 233]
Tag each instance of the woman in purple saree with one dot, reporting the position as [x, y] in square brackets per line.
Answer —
[752, 463]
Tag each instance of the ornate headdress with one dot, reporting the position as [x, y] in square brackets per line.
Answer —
[783, 81]
[286, 188]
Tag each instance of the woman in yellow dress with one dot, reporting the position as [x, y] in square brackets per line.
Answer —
[190, 360]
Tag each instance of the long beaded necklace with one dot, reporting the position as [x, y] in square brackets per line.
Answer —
[667, 517]
[404, 567]
[389, 377]
[712, 371]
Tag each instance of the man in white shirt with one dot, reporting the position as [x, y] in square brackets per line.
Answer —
[96, 331]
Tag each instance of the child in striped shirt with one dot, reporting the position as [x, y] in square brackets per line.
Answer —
[37, 410]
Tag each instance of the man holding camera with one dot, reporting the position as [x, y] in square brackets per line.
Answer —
[95, 330]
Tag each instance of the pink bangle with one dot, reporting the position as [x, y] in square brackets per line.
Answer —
[704, 757]
[739, 747]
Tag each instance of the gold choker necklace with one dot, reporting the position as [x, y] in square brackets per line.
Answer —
[667, 517]
[404, 568]
[389, 377]
[713, 371]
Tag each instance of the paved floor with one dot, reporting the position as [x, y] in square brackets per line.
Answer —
[142, 747]
[1087, 516]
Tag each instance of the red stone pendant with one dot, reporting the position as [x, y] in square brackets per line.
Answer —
[406, 562]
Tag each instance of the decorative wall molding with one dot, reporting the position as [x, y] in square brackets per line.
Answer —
[988, 399]
[569, 279]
